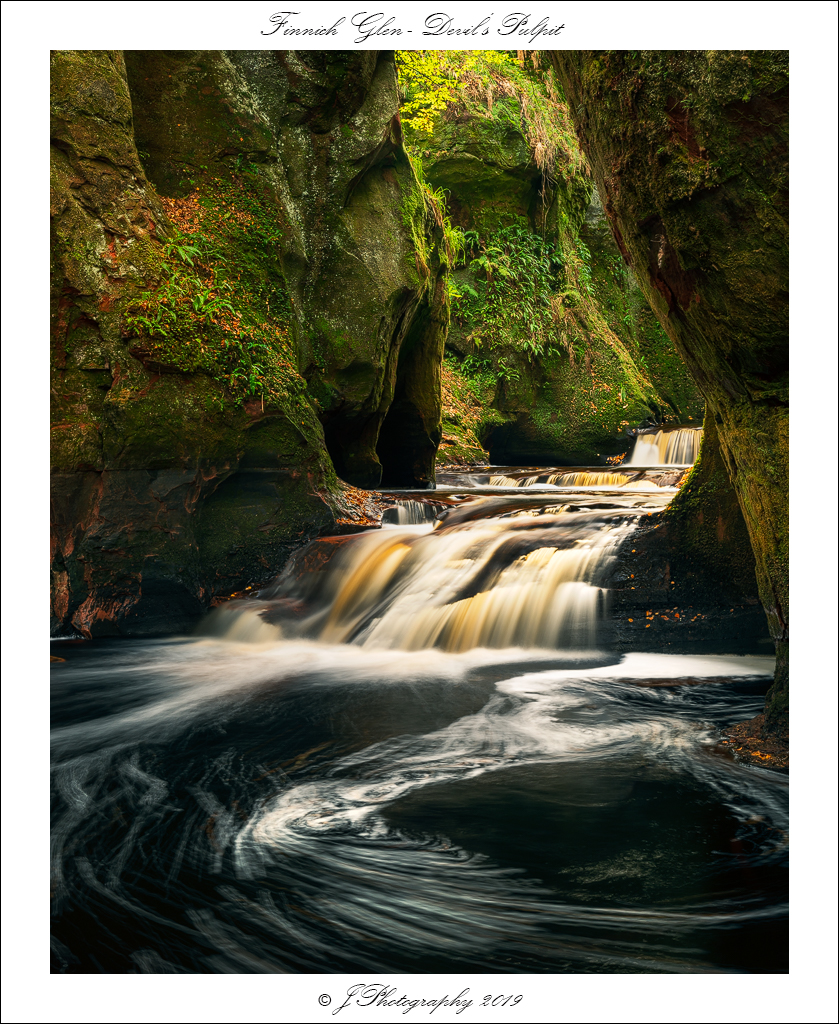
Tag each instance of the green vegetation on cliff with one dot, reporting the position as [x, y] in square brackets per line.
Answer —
[236, 309]
[311, 153]
[220, 306]
[485, 93]
[547, 326]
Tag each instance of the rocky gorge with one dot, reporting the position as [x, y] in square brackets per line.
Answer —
[419, 512]
[255, 283]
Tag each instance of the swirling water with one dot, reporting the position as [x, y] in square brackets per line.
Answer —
[331, 778]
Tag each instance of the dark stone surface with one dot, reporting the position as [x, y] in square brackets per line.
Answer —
[690, 154]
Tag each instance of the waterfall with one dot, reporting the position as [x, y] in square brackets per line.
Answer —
[505, 481]
[574, 478]
[410, 513]
[667, 447]
[492, 574]
[586, 478]
[540, 598]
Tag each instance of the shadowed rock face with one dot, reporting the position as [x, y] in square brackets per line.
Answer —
[167, 493]
[688, 576]
[690, 156]
[371, 317]
[324, 129]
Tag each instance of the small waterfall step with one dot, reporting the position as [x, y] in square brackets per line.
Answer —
[678, 446]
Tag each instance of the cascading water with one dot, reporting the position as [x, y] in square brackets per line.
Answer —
[667, 447]
[524, 578]
[410, 513]
[416, 752]
[588, 478]
[578, 479]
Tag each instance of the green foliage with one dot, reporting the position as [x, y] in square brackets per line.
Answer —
[429, 84]
[547, 321]
[491, 84]
[487, 373]
[426, 207]
[219, 306]
[584, 276]
[514, 274]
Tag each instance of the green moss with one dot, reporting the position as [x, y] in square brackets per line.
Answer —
[221, 305]
[90, 107]
[191, 116]
[542, 297]
[548, 329]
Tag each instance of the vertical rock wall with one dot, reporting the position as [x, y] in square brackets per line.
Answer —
[364, 303]
[280, 178]
[690, 154]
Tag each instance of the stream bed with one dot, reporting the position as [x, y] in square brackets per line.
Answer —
[418, 756]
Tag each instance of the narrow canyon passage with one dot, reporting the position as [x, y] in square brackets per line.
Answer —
[419, 510]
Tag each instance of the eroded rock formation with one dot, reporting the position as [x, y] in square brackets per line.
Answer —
[690, 155]
[236, 296]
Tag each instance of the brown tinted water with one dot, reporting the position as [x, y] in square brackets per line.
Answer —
[418, 755]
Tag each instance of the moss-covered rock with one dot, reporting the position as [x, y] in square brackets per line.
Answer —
[364, 300]
[320, 132]
[690, 155]
[542, 301]
[141, 456]
[218, 228]
[626, 311]
[486, 166]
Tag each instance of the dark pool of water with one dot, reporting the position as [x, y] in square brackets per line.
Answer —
[229, 807]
